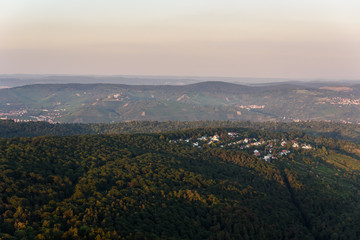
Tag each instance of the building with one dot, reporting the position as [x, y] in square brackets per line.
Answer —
[295, 145]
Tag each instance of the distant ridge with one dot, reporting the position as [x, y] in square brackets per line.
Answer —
[211, 100]
[13, 80]
[217, 86]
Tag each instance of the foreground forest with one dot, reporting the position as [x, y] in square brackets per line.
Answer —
[160, 186]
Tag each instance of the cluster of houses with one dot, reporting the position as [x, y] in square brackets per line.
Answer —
[210, 140]
[248, 143]
[5, 115]
[248, 107]
[27, 116]
[340, 101]
[269, 156]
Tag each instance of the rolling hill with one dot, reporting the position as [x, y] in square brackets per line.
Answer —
[200, 101]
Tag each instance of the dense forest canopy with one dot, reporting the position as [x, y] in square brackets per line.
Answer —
[336, 130]
[162, 186]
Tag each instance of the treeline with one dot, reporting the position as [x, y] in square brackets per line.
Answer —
[140, 186]
[336, 130]
[9, 129]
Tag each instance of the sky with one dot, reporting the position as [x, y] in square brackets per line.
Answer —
[312, 39]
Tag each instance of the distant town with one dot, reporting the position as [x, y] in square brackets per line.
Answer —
[24, 115]
[340, 101]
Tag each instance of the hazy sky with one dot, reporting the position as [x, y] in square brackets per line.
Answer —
[239, 38]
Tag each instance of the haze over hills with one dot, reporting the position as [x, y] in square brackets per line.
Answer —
[198, 101]
[16, 80]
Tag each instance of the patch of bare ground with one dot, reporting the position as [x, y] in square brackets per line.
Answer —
[337, 89]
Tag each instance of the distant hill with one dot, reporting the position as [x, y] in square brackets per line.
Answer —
[86, 103]
[16, 80]
[21, 80]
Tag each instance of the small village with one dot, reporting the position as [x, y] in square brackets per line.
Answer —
[268, 150]
[25, 115]
[340, 101]
[249, 107]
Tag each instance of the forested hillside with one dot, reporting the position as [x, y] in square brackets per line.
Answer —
[164, 186]
[97, 103]
[340, 131]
